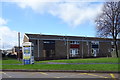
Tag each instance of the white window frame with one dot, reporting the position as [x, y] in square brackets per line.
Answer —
[74, 42]
[74, 52]
[95, 42]
[112, 43]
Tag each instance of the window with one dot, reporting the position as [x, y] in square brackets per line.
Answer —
[87, 43]
[112, 49]
[49, 42]
[117, 42]
[95, 51]
[46, 42]
[49, 45]
[95, 44]
[112, 46]
[112, 43]
[109, 50]
[74, 52]
[74, 42]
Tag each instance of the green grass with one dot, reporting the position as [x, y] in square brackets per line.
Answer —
[89, 60]
[103, 67]
[0, 63]
[98, 67]
[11, 62]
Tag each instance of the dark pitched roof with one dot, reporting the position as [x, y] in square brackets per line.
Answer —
[57, 36]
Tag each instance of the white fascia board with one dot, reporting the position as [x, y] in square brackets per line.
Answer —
[26, 36]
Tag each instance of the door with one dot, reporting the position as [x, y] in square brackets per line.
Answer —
[73, 52]
[94, 52]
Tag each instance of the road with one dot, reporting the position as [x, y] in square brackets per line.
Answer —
[57, 75]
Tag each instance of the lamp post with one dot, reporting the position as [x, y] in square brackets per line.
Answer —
[67, 50]
[66, 44]
[88, 48]
[82, 47]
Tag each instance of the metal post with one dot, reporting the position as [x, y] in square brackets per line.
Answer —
[82, 48]
[67, 50]
[88, 49]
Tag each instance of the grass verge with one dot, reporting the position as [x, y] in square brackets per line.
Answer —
[89, 60]
[11, 62]
[98, 67]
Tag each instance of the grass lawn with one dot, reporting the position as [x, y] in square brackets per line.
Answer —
[11, 62]
[0, 61]
[103, 67]
[89, 60]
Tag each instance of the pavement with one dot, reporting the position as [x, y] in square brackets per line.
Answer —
[114, 76]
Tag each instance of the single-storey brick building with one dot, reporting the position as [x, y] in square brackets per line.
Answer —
[65, 47]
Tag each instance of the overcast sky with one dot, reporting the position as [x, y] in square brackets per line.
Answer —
[56, 17]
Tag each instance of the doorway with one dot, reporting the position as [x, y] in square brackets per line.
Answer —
[95, 52]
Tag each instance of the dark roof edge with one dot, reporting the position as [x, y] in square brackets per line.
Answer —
[70, 36]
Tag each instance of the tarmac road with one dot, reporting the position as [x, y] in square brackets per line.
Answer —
[113, 76]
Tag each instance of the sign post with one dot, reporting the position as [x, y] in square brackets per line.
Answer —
[27, 49]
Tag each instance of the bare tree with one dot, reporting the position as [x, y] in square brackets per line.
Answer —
[108, 22]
